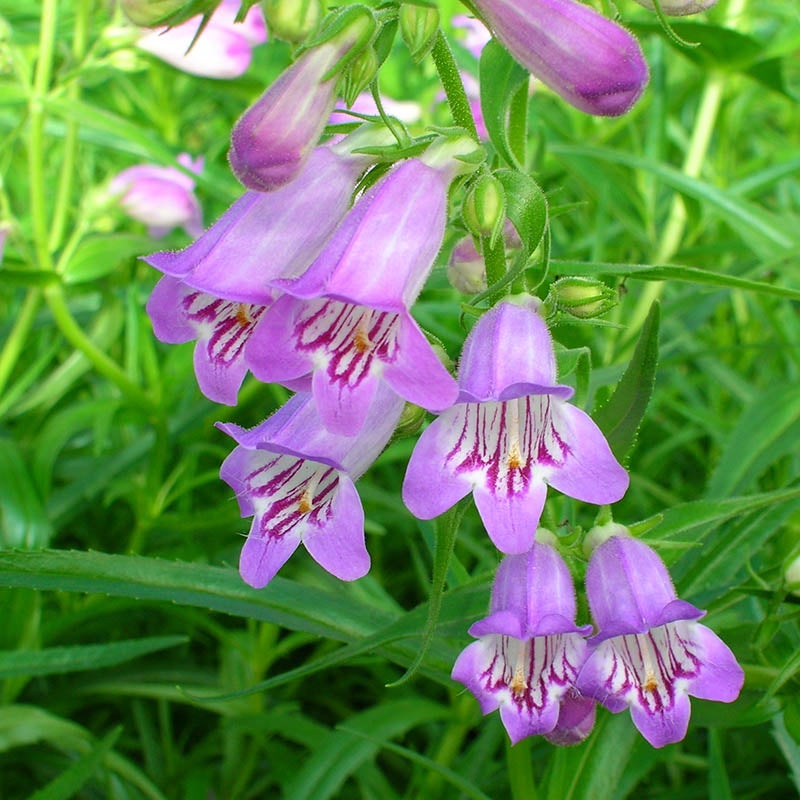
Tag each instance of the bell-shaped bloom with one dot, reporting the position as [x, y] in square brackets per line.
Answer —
[529, 649]
[223, 48]
[510, 434]
[593, 63]
[345, 323]
[273, 139]
[217, 288]
[679, 8]
[650, 653]
[297, 482]
[161, 197]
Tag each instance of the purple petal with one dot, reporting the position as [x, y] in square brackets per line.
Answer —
[262, 237]
[511, 520]
[720, 678]
[666, 727]
[575, 720]
[163, 308]
[508, 354]
[590, 472]
[467, 671]
[382, 253]
[416, 373]
[593, 63]
[271, 352]
[629, 588]
[219, 381]
[431, 486]
[338, 544]
[343, 408]
[261, 557]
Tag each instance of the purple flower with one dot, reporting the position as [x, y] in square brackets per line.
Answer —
[272, 140]
[216, 289]
[529, 649]
[223, 48]
[297, 481]
[510, 434]
[345, 323]
[161, 197]
[650, 653]
[593, 63]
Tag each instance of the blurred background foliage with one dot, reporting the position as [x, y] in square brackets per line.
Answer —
[129, 642]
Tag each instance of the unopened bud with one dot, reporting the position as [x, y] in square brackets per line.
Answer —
[679, 8]
[466, 269]
[292, 20]
[156, 13]
[584, 298]
[419, 26]
[484, 209]
[410, 421]
[362, 72]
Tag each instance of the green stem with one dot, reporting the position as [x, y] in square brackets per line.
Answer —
[68, 158]
[15, 343]
[41, 85]
[66, 323]
[495, 260]
[453, 86]
[520, 770]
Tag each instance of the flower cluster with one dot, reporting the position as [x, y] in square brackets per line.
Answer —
[308, 280]
[649, 654]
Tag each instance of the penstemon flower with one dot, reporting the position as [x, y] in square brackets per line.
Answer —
[273, 139]
[510, 434]
[345, 323]
[216, 289]
[161, 197]
[529, 650]
[223, 49]
[593, 63]
[650, 653]
[297, 480]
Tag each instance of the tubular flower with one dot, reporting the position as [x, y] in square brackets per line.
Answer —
[222, 49]
[529, 649]
[650, 653]
[593, 63]
[272, 140]
[297, 480]
[345, 323]
[216, 289]
[510, 434]
[161, 197]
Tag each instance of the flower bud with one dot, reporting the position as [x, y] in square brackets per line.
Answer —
[593, 63]
[411, 420]
[601, 533]
[362, 71]
[273, 139]
[292, 20]
[466, 269]
[584, 298]
[155, 13]
[679, 8]
[418, 27]
[484, 209]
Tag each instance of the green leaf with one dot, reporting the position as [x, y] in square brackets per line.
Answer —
[526, 207]
[719, 787]
[500, 78]
[620, 417]
[68, 783]
[60, 660]
[97, 256]
[767, 430]
[23, 521]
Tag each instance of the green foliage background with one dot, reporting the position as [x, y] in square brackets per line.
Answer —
[134, 663]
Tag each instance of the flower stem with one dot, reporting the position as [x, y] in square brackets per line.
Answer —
[453, 86]
[520, 770]
[15, 343]
[54, 295]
